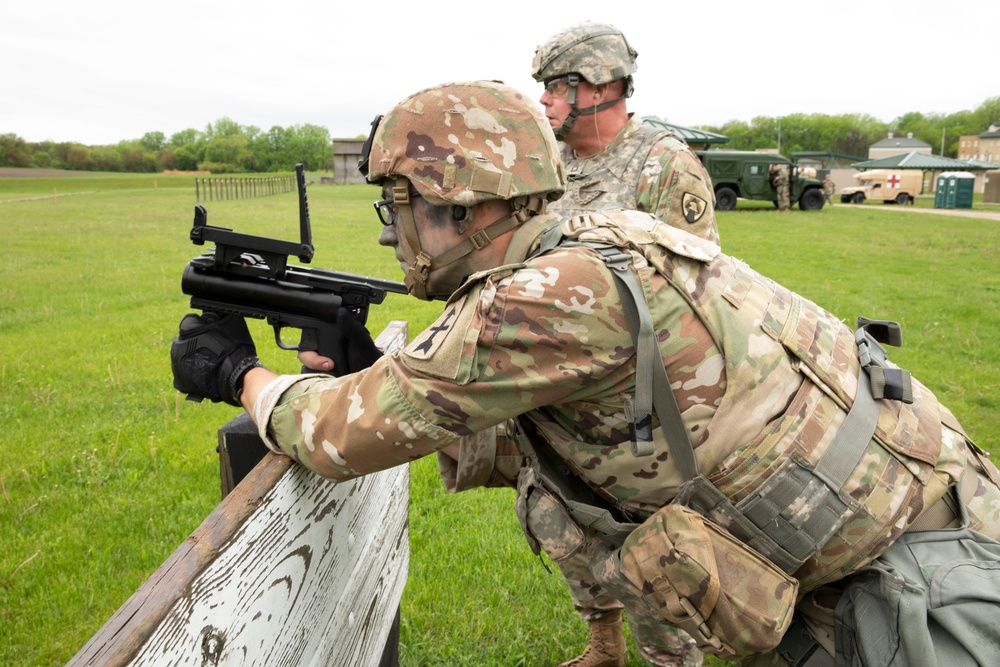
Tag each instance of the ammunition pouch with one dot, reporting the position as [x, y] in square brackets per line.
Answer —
[680, 567]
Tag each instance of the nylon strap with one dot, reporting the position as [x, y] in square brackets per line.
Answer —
[786, 543]
[647, 353]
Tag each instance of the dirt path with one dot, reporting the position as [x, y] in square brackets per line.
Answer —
[959, 212]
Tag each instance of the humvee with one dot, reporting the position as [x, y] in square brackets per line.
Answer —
[746, 174]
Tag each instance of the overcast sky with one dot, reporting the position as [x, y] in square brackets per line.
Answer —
[102, 71]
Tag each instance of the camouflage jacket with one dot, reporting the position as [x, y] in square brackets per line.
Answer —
[761, 375]
[643, 169]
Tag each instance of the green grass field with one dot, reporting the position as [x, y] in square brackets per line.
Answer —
[104, 471]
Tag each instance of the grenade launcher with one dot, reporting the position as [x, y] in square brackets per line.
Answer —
[250, 276]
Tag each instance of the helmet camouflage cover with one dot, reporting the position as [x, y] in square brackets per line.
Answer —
[465, 143]
[598, 52]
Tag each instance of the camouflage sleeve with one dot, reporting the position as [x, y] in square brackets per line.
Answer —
[515, 341]
[675, 187]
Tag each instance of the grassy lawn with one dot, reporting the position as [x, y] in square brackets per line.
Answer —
[104, 470]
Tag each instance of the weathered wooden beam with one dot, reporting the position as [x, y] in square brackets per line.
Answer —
[289, 569]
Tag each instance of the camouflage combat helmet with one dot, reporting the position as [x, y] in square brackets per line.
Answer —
[462, 144]
[598, 52]
[465, 143]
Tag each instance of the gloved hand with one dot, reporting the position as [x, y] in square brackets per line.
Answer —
[360, 348]
[211, 355]
[347, 344]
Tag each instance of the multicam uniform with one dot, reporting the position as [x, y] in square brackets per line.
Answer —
[645, 169]
[642, 169]
[779, 180]
[761, 376]
[828, 189]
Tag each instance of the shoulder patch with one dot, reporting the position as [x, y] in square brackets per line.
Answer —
[446, 349]
[693, 207]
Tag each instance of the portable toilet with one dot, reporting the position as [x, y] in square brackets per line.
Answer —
[954, 189]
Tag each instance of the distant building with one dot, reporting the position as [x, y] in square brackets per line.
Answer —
[893, 145]
[983, 147]
[346, 153]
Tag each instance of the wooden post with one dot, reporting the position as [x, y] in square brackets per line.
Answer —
[289, 569]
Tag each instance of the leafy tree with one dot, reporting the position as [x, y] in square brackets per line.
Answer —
[227, 153]
[312, 147]
[224, 127]
[78, 157]
[153, 141]
[14, 151]
[187, 157]
[107, 158]
[184, 137]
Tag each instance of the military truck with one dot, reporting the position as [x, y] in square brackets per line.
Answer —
[746, 174]
[890, 186]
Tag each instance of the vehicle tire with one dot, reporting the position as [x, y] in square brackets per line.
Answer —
[858, 198]
[812, 200]
[725, 199]
[902, 198]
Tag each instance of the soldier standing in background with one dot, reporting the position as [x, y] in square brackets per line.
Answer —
[613, 160]
[779, 181]
[828, 189]
[670, 405]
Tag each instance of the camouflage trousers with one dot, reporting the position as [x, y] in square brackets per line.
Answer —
[784, 202]
[659, 643]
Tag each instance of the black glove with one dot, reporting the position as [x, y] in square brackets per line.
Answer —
[361, 350]
[210, 357]
[349, 345]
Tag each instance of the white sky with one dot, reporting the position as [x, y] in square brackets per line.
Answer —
[102, 71]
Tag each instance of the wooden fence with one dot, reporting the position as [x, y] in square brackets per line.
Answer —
[234, 187]
[290, 569]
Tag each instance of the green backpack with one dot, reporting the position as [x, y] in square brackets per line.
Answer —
[933, 598]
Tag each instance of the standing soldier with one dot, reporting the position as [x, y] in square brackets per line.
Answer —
[779, 181]
[828, 189]
[672, 407]
[613, 160]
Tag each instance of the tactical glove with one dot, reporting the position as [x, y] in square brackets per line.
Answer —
[211, 355]
[358, 347]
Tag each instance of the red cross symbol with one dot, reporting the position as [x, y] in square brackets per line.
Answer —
[893, 181]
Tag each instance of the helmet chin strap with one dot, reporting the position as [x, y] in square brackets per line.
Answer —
[422, 264]
[574, 111]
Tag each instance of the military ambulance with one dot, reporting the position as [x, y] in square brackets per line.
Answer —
[889, 186]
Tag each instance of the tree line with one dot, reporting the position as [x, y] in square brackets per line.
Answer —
[227, 147]
[224, 147]
[852, 134]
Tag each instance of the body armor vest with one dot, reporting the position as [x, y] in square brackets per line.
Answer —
[777, 344]
[606, 181]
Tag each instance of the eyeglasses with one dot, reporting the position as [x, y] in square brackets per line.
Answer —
[558, 86]
[386, 210]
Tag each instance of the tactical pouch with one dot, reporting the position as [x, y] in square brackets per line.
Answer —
[545, 520]
[680, 567]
